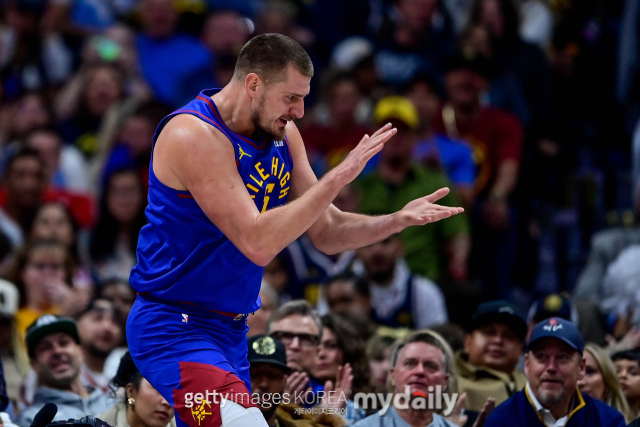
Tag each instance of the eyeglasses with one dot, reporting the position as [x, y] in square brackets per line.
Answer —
[305, 340]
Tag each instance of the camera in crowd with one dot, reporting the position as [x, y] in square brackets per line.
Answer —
[82, 422]
[44, 418]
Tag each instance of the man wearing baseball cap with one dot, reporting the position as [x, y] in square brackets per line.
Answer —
[55, 355]
[398, 179]
[268, 370]
[492, 349]
[553, 367]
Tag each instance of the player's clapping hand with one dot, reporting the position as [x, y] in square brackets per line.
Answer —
[423, 210]
[357, 159]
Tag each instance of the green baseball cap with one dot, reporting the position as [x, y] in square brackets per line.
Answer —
[48, 324]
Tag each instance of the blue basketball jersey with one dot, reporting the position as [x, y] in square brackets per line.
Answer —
[182, 255]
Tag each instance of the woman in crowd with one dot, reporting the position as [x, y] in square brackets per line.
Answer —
[43, 273]
[122, 296]
[115, 237]
[379, 355]
[53, 221]
[601, 382]
[142, 405]
[341, 345]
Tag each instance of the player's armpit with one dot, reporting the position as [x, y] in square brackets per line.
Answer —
[195, 156]
[304, 178]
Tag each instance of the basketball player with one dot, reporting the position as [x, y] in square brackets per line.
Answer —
[222, 171]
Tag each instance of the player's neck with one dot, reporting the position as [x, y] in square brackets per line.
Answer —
[235, 109]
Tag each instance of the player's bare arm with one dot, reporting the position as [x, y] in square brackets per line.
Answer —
[193, 156]
[336, 231]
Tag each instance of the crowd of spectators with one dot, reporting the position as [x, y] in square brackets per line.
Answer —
[528, 110]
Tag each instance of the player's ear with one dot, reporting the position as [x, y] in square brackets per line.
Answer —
[252, 83]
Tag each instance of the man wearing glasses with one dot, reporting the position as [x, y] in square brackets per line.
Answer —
[298, 326]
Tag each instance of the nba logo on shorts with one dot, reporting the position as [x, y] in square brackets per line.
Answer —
[185, 318]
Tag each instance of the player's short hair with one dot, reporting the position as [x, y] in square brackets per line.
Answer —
[269, 55]
[296, 307]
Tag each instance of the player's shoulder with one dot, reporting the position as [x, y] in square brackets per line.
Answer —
[188, 131]
[185, 125]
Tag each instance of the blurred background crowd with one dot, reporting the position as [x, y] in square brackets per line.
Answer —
[528, 110]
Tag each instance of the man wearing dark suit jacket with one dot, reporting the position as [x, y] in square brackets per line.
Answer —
[553, 366]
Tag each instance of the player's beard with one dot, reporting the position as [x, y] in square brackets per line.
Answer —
[262, 132]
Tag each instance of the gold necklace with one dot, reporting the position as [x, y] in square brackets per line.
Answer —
[449, 120]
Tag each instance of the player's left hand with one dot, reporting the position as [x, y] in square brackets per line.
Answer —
[423, 210]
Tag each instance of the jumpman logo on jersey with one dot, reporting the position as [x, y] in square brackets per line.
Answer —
[242, 153]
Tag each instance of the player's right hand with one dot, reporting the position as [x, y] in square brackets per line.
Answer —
[357, 159]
